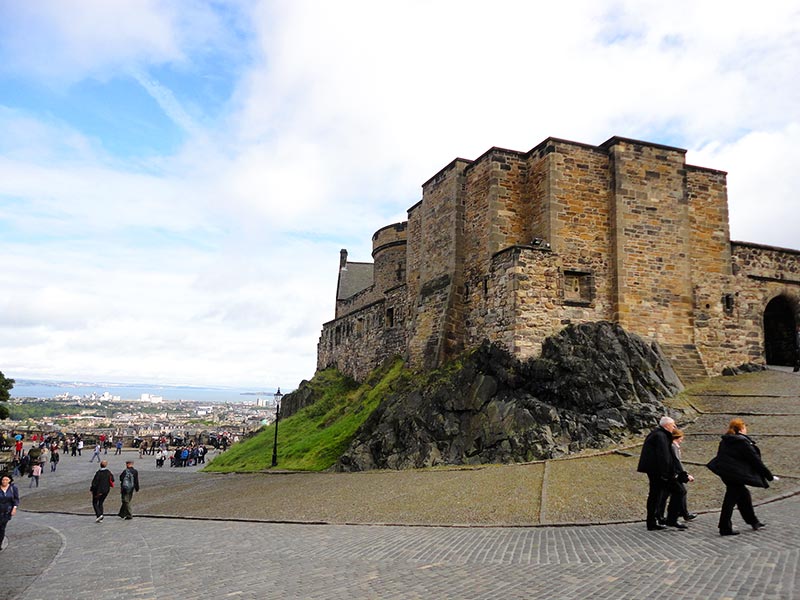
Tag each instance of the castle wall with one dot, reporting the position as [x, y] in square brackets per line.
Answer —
[514, 246]
[389, 253]
[650, 228]
[360, 341]
[437, 258]
[582, 233]
[761, 273]
[712, 279]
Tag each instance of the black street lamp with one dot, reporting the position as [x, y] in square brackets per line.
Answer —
[277, 397]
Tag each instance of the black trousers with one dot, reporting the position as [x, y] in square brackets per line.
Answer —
[678, 507]
[656, 496]
[3, 523]
[736, 494]
[97, 503]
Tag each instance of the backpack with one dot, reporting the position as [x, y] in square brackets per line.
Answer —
[127, 481]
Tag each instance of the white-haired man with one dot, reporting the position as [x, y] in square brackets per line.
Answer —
[657, 461]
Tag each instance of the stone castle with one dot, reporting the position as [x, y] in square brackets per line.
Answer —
[514, 246]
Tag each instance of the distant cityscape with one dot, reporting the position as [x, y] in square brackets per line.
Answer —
[84, 408]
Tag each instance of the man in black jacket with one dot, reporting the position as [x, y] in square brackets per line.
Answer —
[101, 485]
[657, 461]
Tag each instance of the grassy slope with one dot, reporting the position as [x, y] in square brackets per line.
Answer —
[315, 437]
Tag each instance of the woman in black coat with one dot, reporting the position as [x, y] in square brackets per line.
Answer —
[738, 464]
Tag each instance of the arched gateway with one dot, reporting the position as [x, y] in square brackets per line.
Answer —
[779, 331]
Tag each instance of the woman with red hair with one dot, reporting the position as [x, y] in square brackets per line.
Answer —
[738, 464]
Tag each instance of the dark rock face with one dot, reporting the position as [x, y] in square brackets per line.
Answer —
[745, 368]
[295, 401]
[593, 385]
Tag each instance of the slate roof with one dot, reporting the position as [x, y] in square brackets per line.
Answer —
[354, 277]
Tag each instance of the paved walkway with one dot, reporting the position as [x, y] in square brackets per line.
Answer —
[67, 555]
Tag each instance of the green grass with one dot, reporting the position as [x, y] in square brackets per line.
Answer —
[314, 438]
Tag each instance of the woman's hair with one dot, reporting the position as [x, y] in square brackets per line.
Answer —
[677, 434]
[735, 426]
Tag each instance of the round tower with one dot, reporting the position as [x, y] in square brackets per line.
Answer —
[389, 254]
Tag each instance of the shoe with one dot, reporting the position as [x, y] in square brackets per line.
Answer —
[128, 518]
[661, 521]
[655, 527]
[758, 525]
[98, 519]
[689, 516]
[730, 532]
[677, 525]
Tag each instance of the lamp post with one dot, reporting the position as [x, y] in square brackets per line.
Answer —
[277, 397]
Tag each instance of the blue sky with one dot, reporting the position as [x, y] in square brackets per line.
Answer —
[177, 178]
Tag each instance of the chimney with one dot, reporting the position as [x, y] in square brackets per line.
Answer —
[343, 259]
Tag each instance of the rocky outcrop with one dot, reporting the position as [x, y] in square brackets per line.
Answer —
[745, 368]
[593, 385]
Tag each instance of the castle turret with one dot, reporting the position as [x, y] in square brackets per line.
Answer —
[389, 254]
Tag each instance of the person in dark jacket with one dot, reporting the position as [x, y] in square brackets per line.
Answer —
[658, 462]
[102, 483]
[9, 501]
[738, 463]
[128, 483]
[678, 506]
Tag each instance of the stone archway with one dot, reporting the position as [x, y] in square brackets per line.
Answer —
[779, 331]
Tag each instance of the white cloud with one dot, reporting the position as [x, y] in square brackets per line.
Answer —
[217, 264]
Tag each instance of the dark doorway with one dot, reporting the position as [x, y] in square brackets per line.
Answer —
[779, 328]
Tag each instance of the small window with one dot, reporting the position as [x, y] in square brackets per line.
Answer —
[390, 317]
[727, 303]
[577, 288]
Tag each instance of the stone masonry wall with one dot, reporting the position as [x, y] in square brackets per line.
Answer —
[712, 279]
[761, 273]
[360, 341]
[650, 221]
[513, 246]
[439, 266]
[389, 254]
[582, 235]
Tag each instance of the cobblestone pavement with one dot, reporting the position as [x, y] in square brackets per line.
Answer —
[155, 558]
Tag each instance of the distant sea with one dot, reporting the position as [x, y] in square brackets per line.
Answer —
[127, 391]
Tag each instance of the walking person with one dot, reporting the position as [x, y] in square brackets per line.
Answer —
[657, 461]
[128, 484]
[118, 447]
[96, 453]
[102, 482]
[678, 506]
[36, 471]
[54, 458]
[9, 501]
[738, 463]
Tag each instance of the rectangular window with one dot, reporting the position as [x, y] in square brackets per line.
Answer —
[727, 303]
[390, 317]
[578, 288]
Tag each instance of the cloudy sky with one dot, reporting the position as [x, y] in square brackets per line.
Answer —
[177, 178]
